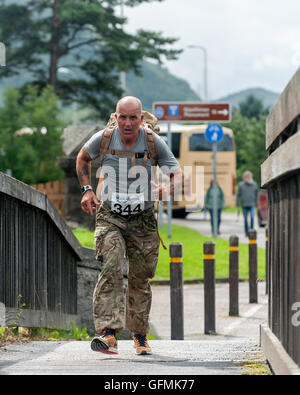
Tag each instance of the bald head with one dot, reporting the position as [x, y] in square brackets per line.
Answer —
[129, 117]
[129, 103]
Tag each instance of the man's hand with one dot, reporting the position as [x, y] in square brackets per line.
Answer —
[162, 192]
[157, 190]
[176, 185]
[89, 202]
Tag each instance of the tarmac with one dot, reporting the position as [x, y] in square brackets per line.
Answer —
[233, 350]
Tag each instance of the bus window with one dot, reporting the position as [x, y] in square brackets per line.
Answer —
[198, 142]
[176, 137]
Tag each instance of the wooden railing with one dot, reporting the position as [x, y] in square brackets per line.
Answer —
[38, 259]
[281, 176]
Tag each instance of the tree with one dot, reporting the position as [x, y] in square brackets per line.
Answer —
[250, 143]
[84, 36]
[252, 107]
[31, 157]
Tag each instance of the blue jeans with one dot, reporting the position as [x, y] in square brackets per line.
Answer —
[212, 219]
[246, 212]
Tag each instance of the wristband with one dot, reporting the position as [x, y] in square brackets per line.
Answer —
[86, 188]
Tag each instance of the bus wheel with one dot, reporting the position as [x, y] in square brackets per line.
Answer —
[179, 213]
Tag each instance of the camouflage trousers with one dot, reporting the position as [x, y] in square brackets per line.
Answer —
[136, 238]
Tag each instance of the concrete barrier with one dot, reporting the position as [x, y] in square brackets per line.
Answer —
[281, 363]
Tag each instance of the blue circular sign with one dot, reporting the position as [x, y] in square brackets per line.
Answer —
[159, 112]
[214, 133]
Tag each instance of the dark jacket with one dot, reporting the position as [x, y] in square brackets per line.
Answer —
[209, 199]
[247, 195]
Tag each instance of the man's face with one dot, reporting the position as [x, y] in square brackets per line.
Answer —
[247, 177]
[129, 119]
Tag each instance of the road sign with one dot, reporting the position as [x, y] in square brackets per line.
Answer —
[214, 133]
[192, 112]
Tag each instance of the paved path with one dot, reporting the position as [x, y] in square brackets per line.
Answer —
[231, 224]
[227, 353]
[179, 358]
[246, 326]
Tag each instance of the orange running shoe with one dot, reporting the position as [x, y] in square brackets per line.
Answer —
[106, 343]
[141, 345]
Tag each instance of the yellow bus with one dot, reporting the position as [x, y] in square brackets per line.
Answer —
[191, 148]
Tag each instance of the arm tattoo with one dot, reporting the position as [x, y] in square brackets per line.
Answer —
[83, 173]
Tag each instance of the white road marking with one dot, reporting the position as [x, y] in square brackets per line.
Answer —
[240, 321]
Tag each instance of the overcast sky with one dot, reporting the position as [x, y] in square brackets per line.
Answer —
[250, 43]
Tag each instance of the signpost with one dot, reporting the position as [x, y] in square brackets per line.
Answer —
[198, 113]
[214, 134]
[170, 197]
[192, 112]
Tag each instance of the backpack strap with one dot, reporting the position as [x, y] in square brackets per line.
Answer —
[150, 138]
[104, 149]
[105, 141]
[104, 144]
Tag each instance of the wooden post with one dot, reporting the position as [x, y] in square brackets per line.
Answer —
[267, 261]
[234, 276]
[176, 291]
[252, 266]
[209, 288]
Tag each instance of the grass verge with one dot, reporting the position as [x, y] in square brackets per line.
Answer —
[22, 335]
[192, 254]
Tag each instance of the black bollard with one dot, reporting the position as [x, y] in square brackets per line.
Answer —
[267, 261]
[209, 288]
[176, 291]
[234, 276]
[253, 266]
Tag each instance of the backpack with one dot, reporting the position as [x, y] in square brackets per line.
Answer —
[150, 127]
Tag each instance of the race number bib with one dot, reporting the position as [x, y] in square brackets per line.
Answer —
[124, 204]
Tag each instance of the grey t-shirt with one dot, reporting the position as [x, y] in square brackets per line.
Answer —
[124, 190]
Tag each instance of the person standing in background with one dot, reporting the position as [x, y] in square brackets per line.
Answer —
[247, 198]
[209, 205]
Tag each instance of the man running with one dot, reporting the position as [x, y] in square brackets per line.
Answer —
[125, 224]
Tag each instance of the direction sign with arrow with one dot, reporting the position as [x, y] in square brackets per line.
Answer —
[192, 112]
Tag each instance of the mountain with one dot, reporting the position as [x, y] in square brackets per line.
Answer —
[155, 84]
[268, 98]
[158, 84]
